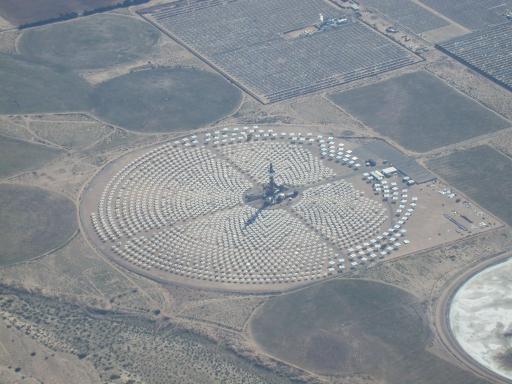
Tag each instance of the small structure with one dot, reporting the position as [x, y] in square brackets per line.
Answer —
[272, 194]
[389, 171]
[330, 22]
[377, 175]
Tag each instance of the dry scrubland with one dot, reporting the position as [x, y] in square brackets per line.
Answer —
[103, 292]
[231, 312]
[424, 274]
[469, 82]
[73, 272]
[72, 135]
[125, 348]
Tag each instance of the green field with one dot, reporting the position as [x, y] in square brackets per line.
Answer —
[350, 327]
[33, 88]
[18, 156]
[483, 174]
[419, 111]
[90, 42]
[32, 222]
[165, 99]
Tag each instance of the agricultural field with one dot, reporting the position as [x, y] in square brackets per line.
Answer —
[91, 42]
[32, 222]
[352, 326]
[481, 173]
[31, 88]
[165, 99]
[419, 111]
[19, 156]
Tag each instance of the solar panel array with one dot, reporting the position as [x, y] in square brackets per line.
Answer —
[472, 14]
[247, 40]
[488, 51]
[408, 14]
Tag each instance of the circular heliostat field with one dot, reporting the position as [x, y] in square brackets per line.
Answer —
[165, 99]
[90, 42]
[32, 222]
[206, 210]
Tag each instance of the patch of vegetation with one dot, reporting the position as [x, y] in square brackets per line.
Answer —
[62, 17]
[27, 13]
[87, 12]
